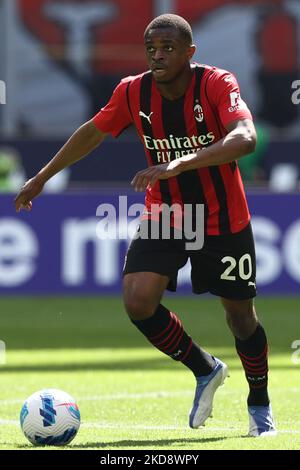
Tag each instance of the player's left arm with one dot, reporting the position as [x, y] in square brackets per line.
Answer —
[240, 140]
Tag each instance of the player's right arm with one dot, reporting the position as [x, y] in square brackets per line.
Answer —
[85, 139]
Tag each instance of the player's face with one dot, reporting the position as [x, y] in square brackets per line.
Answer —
[168, 54]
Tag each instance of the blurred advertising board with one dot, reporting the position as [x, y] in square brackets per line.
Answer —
[57, 249]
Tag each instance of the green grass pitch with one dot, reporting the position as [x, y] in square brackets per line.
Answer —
[130, 395]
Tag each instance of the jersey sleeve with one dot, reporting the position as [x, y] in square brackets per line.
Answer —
[115, 117]
[226, 95]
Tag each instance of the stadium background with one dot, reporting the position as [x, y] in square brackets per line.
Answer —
[60, 61]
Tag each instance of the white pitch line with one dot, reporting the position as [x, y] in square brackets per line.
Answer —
[118, 396]
[234, 427]
[149, 427]
[125, 396]
[9, 422]
[155, 394]
[137, 396]
[11, 402]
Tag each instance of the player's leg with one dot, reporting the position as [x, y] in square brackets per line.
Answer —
[151, 267]
[236, 285]
[230, 271]
[241, 317]
[142, 298]
[142, 292]
[252, 348]
[226, 267]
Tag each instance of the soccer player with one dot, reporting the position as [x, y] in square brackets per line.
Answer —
[194, 127]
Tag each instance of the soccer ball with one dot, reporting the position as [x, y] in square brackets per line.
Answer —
[50, 417]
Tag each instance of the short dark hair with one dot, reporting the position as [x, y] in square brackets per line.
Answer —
[172, 21]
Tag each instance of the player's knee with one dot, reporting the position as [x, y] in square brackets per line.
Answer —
[138, 306]
[241, 317]
[141, 295]
[138, 302]
[244, 308]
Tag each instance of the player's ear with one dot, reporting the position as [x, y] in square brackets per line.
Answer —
[191, 51]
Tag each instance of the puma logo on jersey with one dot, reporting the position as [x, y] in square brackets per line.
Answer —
[145, 116]
[250, 283]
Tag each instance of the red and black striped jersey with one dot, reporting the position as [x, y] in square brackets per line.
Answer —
[170, 129]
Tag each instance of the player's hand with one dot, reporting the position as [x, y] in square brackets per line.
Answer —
[29, 190]
[154, 173]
